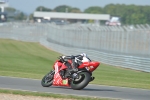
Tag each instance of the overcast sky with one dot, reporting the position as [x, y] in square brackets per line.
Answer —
[29, 6]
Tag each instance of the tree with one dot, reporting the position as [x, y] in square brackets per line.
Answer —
[10, 9]
[75, 10]
[129, 14]
[63, 8]
[13, 14]
[41, 8]
[20, 16]
[31, 16]
[94, 10]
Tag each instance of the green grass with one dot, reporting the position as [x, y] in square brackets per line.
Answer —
[50, 95]
[117, 76]
[31, 60]
[21, 59]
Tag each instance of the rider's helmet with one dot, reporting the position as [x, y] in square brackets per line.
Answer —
[85, 58]
[83, 54]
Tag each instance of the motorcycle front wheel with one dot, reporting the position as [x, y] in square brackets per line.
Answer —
[81, 82]
[47, 80]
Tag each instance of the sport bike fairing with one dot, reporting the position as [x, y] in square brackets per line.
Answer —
[90, 66]
[58, 81]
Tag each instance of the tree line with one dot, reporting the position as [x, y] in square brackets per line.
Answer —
[129, 14]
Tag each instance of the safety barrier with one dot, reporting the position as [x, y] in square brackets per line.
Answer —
[126, 46]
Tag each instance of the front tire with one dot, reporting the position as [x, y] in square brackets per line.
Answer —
[47, 80]
[84, 79]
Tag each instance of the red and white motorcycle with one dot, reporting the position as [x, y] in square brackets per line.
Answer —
[59, 76]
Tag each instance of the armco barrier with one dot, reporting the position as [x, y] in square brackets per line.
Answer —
[125, 46]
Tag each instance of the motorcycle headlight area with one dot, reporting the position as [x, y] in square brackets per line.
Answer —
[89, 67]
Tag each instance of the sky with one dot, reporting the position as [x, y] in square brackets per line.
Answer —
[28, 6]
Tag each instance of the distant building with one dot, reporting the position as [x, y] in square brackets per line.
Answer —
[39, 16]
[3, 14]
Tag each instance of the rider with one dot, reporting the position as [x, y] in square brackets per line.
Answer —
[76, 61]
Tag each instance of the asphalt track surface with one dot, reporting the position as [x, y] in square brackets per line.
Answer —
[91, 90]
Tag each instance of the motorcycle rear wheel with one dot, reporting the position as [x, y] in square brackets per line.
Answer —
[84, 79]
[47, 80]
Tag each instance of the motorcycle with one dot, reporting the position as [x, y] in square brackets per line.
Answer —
[60, 76]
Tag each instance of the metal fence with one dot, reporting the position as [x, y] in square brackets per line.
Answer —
[125, 46]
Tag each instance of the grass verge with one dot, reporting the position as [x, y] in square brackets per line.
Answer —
[50, 95]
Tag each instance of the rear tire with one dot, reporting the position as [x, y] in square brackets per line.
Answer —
[84, 79]
[47, 80]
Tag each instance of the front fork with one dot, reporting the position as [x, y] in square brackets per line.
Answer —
[51, 73]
